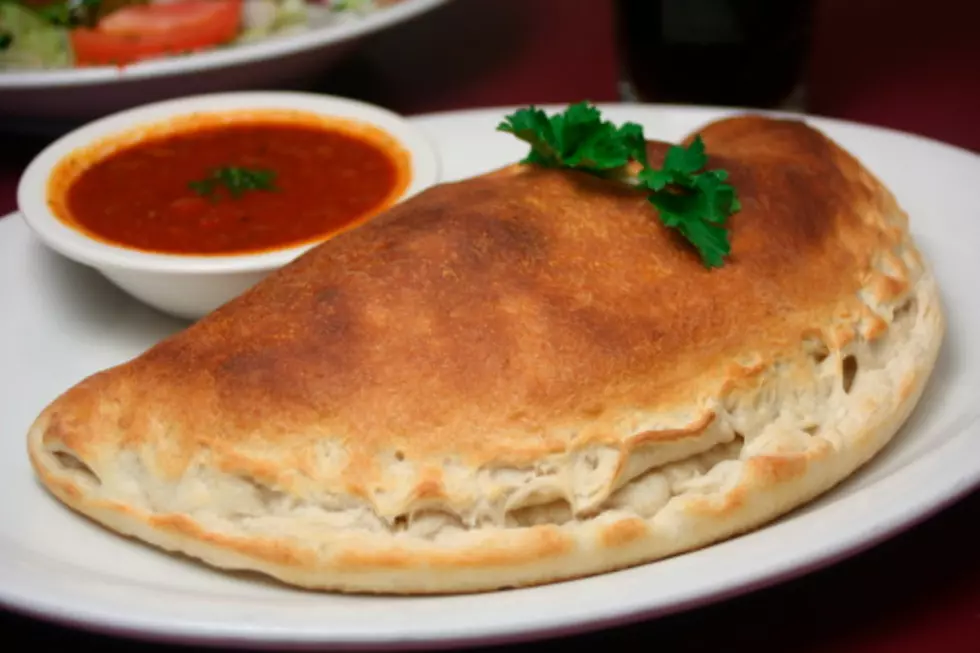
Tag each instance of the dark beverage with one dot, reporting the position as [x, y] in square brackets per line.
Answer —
[749, 53]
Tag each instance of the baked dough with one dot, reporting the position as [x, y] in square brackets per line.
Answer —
[520, 378]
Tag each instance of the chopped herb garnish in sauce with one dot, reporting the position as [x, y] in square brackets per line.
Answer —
[235, 180]
[693, 201]
[175, 193]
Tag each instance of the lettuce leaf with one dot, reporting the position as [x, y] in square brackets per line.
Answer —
[30, 41]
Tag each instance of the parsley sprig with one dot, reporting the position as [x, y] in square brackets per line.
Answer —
[693, 201]
[577, 138]
[235, 180]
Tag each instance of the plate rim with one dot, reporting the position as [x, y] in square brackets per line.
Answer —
[237, 55]
[942, 494]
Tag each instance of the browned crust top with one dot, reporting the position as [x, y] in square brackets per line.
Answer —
[503, 318]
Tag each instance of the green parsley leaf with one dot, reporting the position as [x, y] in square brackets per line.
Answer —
[632, 135]
[683, 161]
[236, 182]
[693, 201]
[708, 236]
[532, 125]
[577, 138]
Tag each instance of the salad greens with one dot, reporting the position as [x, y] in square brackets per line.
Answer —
[264, 18]
[62, 33]
[74, 13]
[28, 41]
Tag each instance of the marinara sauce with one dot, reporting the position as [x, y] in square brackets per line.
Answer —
[325, 179]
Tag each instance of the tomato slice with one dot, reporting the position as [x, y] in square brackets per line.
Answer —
[139, 32]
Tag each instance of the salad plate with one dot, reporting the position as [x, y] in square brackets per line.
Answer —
[69, 322]
[274, 44]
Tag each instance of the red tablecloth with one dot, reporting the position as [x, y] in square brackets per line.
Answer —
[907, 65]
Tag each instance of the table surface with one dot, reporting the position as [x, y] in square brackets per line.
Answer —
[878, 62]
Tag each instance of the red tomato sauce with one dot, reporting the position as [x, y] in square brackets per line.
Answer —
[326, 180]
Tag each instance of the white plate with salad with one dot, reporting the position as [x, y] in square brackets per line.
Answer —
[72, 60]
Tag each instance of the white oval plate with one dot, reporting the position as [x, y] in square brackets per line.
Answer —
[62, 322]
[39, 97]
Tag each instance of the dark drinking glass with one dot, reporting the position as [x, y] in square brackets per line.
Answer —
[749, 53]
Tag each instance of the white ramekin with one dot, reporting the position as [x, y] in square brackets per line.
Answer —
[192, 286]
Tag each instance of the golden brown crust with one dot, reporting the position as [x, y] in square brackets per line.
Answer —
[518, 378]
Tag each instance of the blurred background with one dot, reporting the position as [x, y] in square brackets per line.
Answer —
[903, 64]
[900, 63]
